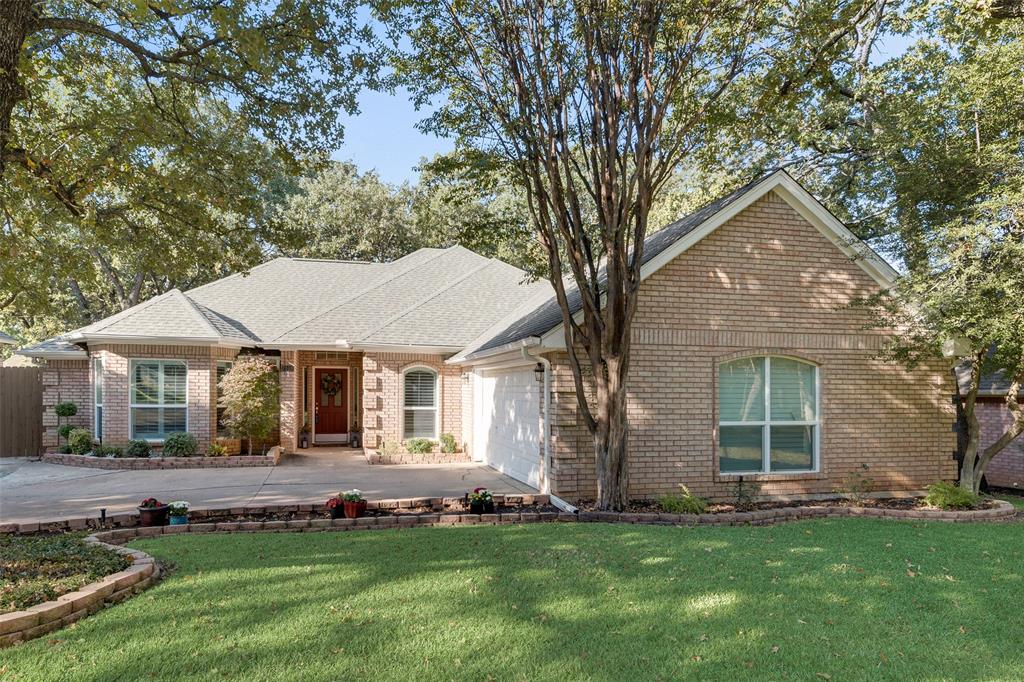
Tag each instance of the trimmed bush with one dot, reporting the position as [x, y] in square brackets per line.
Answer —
[448, 444]
[65, 430]
[180, 445]
[111, 451]
[66, 409]
[80, 441]
[683, 502]
[419, 446]
[216, 450]
[948, 496]
[137, 448]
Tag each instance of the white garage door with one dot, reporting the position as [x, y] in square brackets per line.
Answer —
[506, 423]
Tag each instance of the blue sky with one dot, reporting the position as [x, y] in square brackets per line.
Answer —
[383, 136]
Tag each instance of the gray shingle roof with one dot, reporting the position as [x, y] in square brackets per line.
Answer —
[432, 297]
[7, 340]
[56, 345]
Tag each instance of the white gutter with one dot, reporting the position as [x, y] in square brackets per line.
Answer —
[546, 482]
[528, 342]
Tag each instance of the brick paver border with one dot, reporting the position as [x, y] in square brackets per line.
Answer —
[90, 462]
[44, 618]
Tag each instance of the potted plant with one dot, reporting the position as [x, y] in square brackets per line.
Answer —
[355, 505]
[335, 505]
[304, 435]
[178, 512]
[152, 512]
[480, 501]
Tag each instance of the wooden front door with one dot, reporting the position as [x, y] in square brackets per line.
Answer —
[331, 406]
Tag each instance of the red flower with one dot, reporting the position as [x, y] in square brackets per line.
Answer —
[333, 502]
[151, 503]
[476, 490]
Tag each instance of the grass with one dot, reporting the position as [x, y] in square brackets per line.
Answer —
[37, 569]
[832, 599]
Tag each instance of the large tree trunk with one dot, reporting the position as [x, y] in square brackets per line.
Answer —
[611, 439]
[16, 18]
[976, 460]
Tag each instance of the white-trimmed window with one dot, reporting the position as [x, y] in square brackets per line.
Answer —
[768, 416]
[419, 403]
[223, 367]
[97, 402]
[159, 397]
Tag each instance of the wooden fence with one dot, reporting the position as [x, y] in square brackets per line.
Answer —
[21, 411]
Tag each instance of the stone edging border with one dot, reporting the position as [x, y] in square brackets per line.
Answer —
[198, 462]
[42, 619]
[45, 618]
[427, 458]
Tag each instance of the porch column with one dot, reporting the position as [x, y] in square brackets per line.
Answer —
[291, 389]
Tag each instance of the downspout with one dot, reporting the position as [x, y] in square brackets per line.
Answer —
[546, 482]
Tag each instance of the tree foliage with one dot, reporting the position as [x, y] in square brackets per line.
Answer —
[140, 140]
[249, 394]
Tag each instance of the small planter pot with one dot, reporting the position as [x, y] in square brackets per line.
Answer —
[481, 507]
[337, 512]
[153, 516]
[179, 520]
[353, 510]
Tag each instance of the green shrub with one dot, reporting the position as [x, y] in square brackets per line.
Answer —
[80, 441]
[137, 448]
[64, 449]
[948, 496]
[683, 502]
[216, 450]
[419, 446]
[857, 486]
[66, 409]
[448, 444]
[111, 451]
[65, 430]
[180, 445]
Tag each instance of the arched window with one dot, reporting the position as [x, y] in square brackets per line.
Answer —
[419, 403]
[768, 415]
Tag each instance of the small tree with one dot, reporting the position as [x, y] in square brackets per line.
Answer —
[249, 395]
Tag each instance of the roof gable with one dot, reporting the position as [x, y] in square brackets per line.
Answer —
[542, 321]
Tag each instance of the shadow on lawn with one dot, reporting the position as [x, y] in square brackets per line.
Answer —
[565, 601]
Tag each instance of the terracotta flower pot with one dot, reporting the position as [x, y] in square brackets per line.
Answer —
[153, 516]
[353, 510]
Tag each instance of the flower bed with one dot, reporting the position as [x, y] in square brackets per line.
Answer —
[197, 462]
[378, 457]
[891, 503]
[139, 571]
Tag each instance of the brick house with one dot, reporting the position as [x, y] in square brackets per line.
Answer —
[747, 360]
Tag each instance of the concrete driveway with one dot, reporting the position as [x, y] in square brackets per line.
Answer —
[33, 491]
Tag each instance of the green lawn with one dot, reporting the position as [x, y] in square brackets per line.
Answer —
[834, 599]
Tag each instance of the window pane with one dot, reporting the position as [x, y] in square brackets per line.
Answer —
[174, 383]
[739, 448]
[146, 383]
[99, 422]
[419, 388]
[145, 422]
[420, 423]
[174, 420]
[792, 448]
[741, 390]
[97, 377]
[793, 391]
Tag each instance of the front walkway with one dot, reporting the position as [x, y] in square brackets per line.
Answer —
[33, 491]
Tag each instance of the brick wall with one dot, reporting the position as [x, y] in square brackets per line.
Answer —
[65, 380]
[201, 363]
[382, 394]
[1007, 468]
[766, 282]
